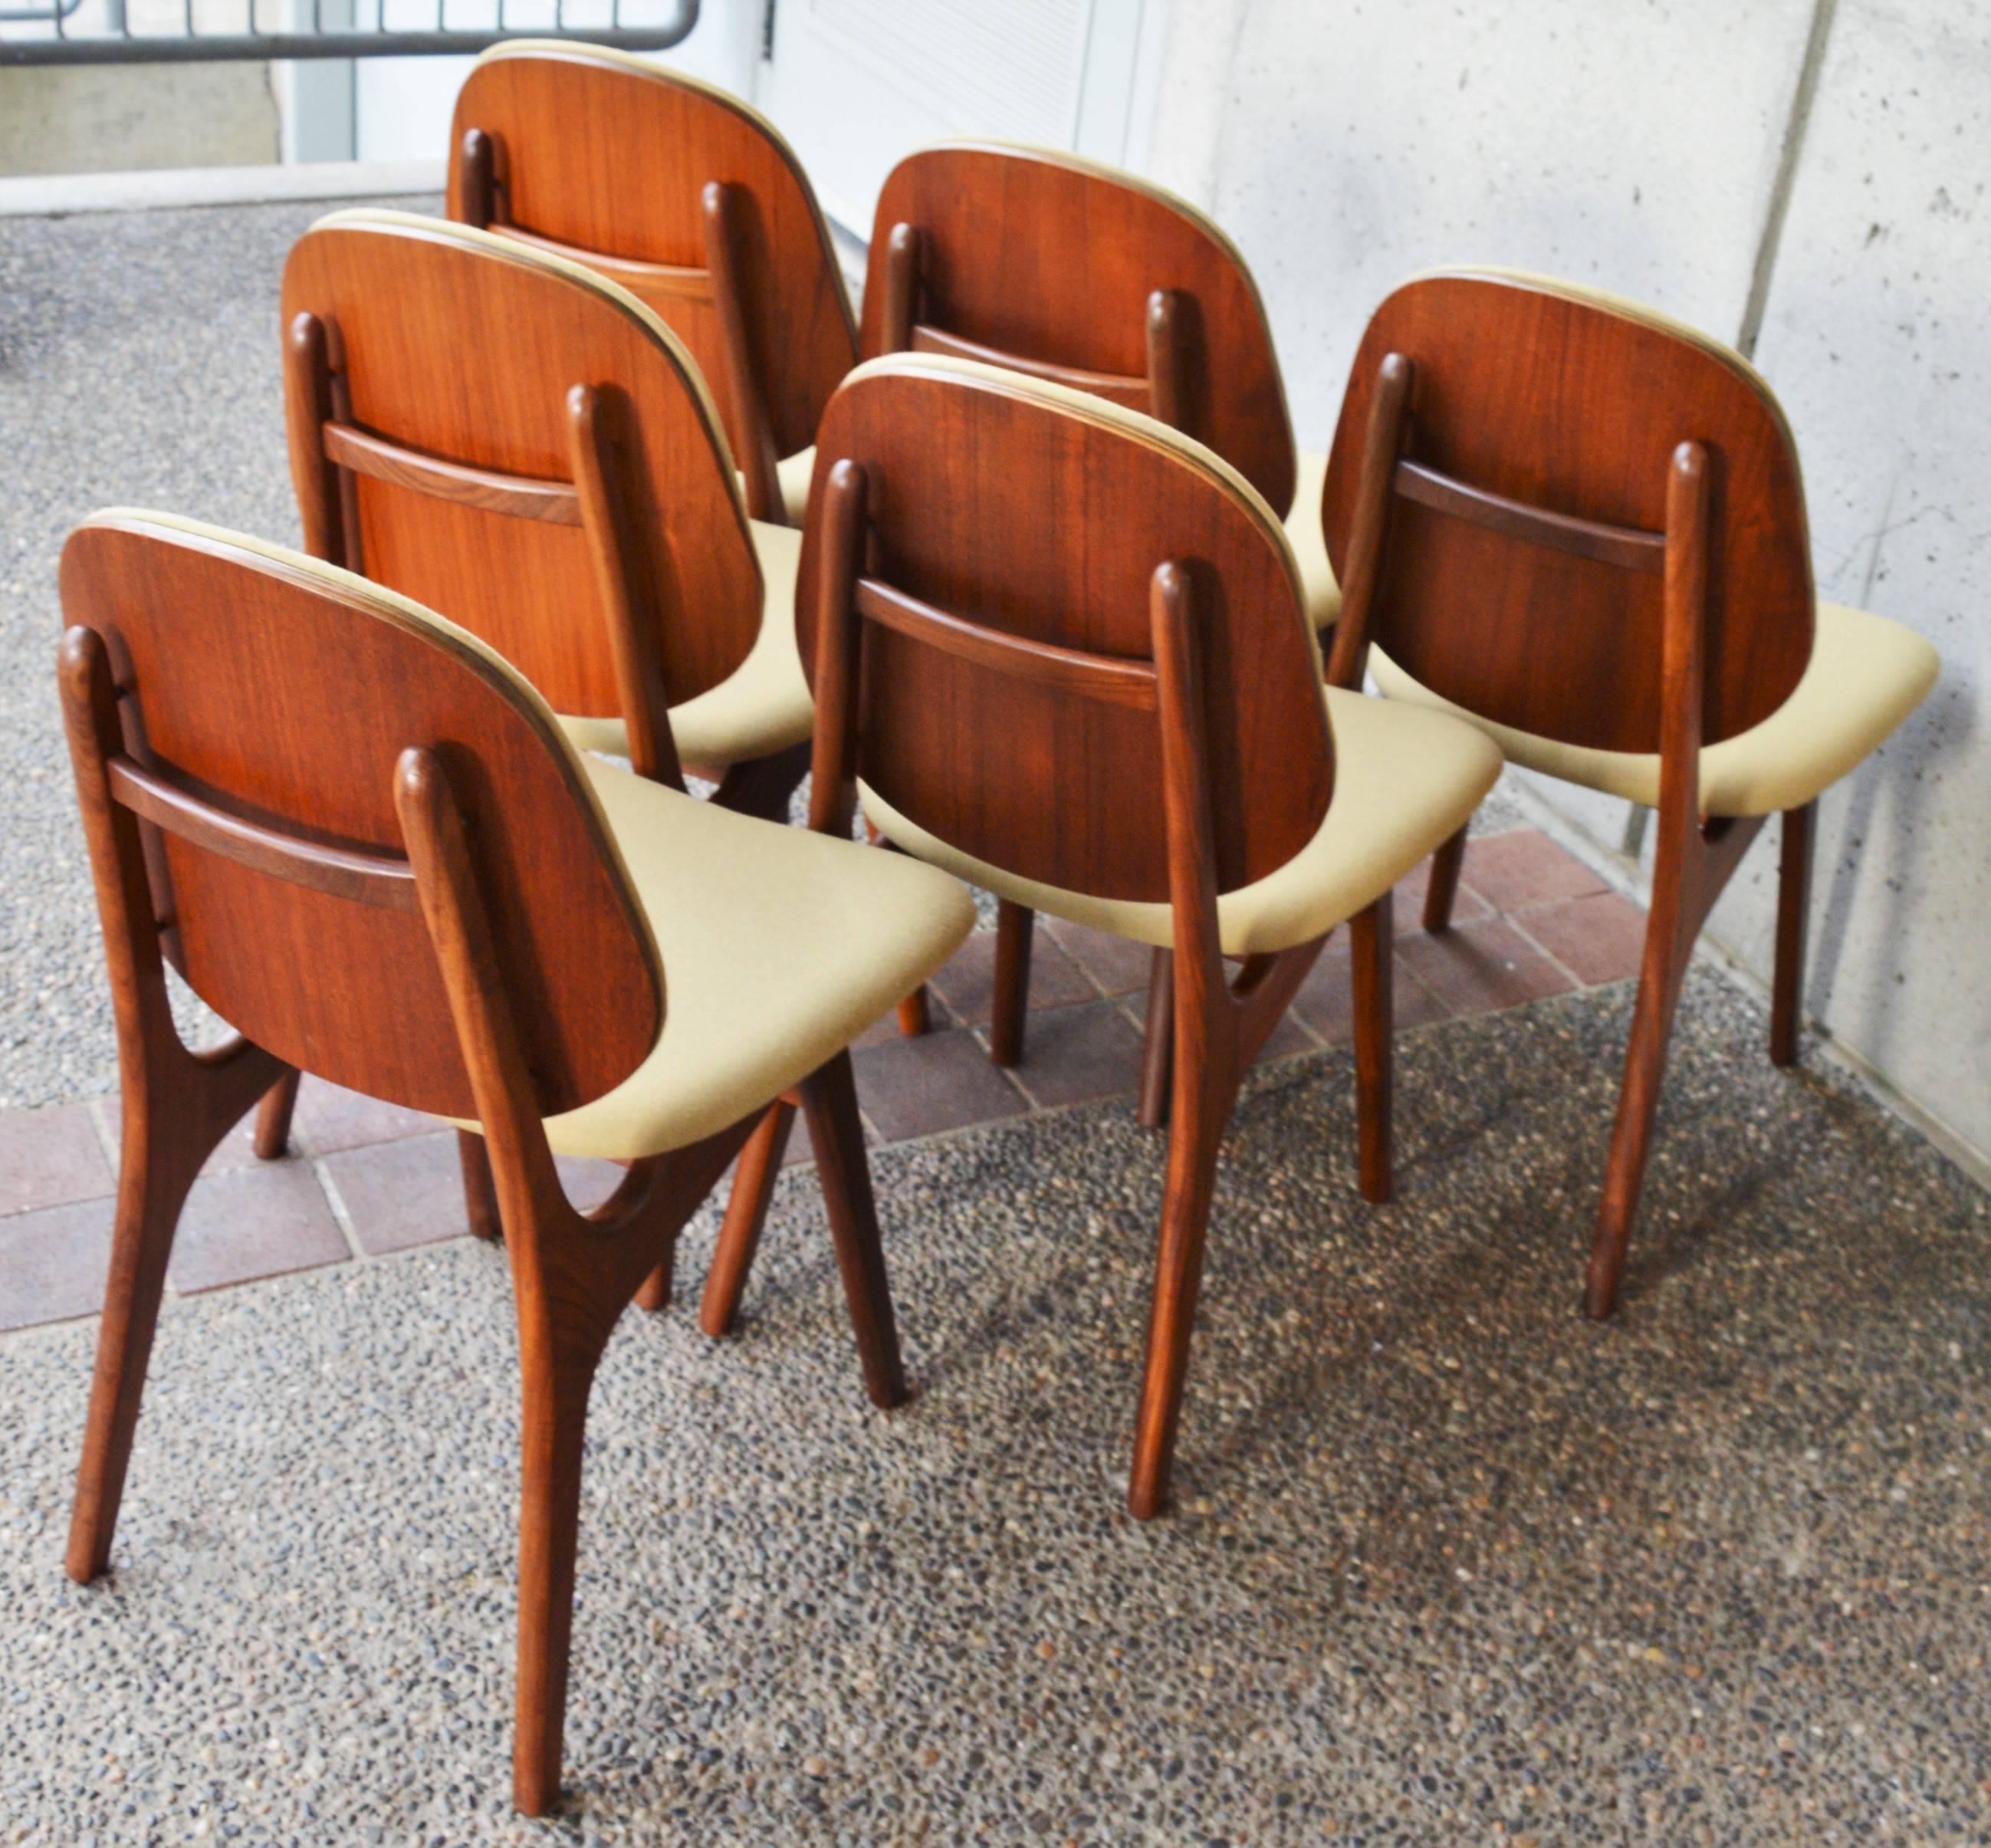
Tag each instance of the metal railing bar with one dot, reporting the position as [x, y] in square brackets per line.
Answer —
[191, 47]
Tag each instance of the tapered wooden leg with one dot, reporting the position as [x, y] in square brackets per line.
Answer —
[654, 1293]
[746, 1214]
[1638, 1106]
[557, 1372]
[1793, 909]
[1371, 939]
[763, 786]
[1015, 925]
[829, 1101]
[1199, 1108]
[1158, 1050]
[480, 1194]
[151, 1191]
[166, 1137]
[273, 1117]
[1444, 885]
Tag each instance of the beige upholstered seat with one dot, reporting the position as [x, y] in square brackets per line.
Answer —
[1401, 786]
[779, 946]
[1865, 676]
[764, 706]
[793, 472]
[1322, 595]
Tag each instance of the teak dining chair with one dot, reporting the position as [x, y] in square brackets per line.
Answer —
[1092, 277]
[501, 434]
[1064, 650]
[367, 843]
[690, 199]
[1581, 525]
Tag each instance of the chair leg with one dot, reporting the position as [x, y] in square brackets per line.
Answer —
[1371, 939]
[829, 1101]
[763, 786]
[1793, 912]
[1158, 1050]
[914, 1018]
[558, 1371]
[172, 1125]
[151, 1191]
[746, 1214]
[654, 1293]
[1439, 894]
[1015, 925]
[480, 1193]
[1200, 1108]
[273, 1117]
[1638, 1107]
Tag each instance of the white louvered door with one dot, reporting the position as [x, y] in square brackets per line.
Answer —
[857, 84]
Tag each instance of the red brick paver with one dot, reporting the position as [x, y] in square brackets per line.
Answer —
[1530, 920]
[48, 1158]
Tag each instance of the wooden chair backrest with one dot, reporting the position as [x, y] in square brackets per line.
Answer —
[265, 699]
[1521, 576]
[442, 397]
[1047, 262]
[604, 158]
[1008, 701]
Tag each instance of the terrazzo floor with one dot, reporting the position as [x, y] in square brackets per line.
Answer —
[1451, 1564]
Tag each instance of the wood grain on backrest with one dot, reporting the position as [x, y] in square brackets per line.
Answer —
[607, 156]
[1048, 257]
[465, 347]
[1571, 402]
[1031, 512]
[281, 693]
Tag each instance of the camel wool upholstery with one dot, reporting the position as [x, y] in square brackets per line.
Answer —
[764, 705]
[780, 946]
[1866, 675]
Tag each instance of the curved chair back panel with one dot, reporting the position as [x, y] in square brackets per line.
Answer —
[1532, 399]
[607, 157]
[466, 349]
[1045, 260]
[1008, 704]
[265, 700]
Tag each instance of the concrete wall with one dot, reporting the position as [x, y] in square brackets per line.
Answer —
[1821, 169]
[121, 118]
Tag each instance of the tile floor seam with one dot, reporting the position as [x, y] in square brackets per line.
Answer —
[1513, 923]
[99, 1107]
[1401, 968]
[334, 1201]
[1031, 1106]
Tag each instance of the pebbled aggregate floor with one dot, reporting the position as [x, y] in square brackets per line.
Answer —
[139, 366]
[1451, 1565]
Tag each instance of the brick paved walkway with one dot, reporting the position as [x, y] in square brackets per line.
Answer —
[368, 1178]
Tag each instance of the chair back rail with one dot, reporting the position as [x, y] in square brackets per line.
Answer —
[262, 703]
[999, 604]
[1087, 277]
[607, 159]
[432, 369]
[1523, 539]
